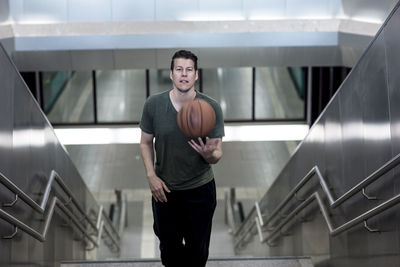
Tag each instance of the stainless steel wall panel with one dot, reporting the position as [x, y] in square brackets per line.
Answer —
[89, 10]
[43, 60]
[90, 60]
[163, 58]
[355, 135]
[6, 123]
[106, 10]
[4, 10]
[128, 10]
[8, 44]
[209, 58]
[137, 59]
[172, 10]
[353, 131]
[368, 9]
[350, 56]
[44, 11]
[221, 10]
[374, 96]
[354, 40]
[6, 126]
[31, 150]
[392, 39]
[377, 138]
[264, 9]
[308, 9]
[333, 145]
[227, 55]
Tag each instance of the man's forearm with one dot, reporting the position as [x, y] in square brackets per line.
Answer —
[148, 158]
[215, 157]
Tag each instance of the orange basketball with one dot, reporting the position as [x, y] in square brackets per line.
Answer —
[196, 118]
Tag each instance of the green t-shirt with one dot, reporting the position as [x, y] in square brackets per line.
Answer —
[177, 163]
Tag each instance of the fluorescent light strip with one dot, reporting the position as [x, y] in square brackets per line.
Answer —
[131, 135]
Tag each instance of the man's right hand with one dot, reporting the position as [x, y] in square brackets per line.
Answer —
[158, 188]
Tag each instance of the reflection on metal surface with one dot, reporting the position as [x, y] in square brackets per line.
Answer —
[266, 132]
[78, 222]
[29, 137]
[233, 133]
[242, 232]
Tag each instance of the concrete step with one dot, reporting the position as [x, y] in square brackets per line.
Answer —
[229, 262]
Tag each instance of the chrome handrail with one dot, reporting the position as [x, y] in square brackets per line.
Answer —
[332, 202]
[332, 231]
[54, 177]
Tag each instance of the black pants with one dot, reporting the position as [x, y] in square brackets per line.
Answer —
[183, 225]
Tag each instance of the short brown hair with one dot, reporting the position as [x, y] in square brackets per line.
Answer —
[184, 54]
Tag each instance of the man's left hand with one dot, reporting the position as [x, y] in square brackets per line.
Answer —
[207, 149]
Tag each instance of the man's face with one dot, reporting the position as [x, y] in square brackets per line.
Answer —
[183, 75]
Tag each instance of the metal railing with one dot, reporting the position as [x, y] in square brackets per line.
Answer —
[97, 229]
[258, 220]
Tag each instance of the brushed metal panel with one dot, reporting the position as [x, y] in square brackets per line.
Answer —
[16, 9]
[44, 11]
[221, 10]
[350, 56]
[352, 138]
[375, 109]
[392, 40]
[6, 121]
[264, 9]
[208, 58]
[352, 132]
[232, 88]
[135, 59]
[4, 10]
[120, 95]
[308, 9]
[21, 169]
[333, 145]
[368, 9]
[89, 10]
[172, 10]
[43, 60]
[214, 57]
[8, 44]
[128, 10]
[32, 150]
[85, 60]
[164, 56]
[354, 40]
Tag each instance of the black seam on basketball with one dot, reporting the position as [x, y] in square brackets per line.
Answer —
[201, 119]
[189, 120]
[181, 126]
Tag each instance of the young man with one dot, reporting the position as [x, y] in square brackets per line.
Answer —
[181, 179]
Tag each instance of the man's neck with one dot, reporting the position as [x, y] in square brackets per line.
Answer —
[181, 96]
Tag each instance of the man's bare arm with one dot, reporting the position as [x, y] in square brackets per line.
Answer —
[157, 186]
[211, 151]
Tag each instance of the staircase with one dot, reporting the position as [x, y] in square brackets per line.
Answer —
[230, 262]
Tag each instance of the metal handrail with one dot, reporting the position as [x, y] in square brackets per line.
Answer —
[332, 231]
[332, 202]
[54, 177]
[42, 236]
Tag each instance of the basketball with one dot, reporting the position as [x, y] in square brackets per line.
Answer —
[196, 118]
